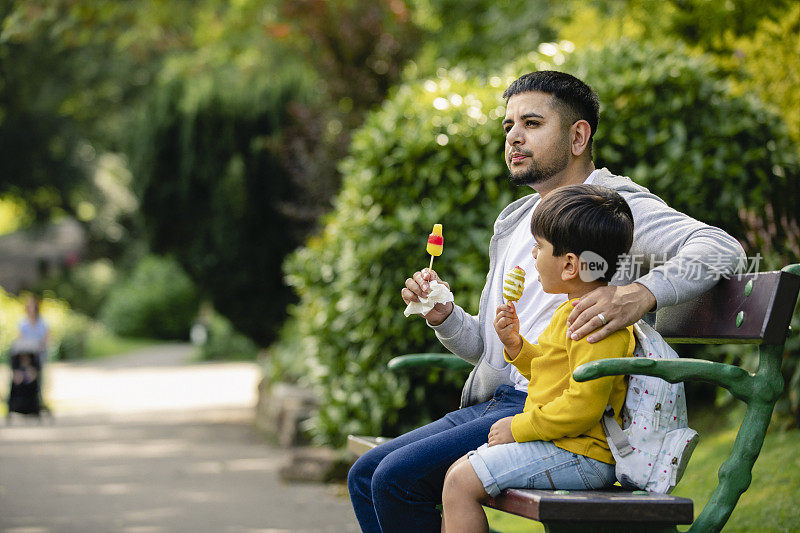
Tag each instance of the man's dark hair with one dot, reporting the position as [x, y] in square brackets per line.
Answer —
[580, 218]
[573, 99]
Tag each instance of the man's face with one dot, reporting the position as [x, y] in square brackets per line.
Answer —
[537, 145]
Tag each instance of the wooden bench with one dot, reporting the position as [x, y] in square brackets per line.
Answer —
[748, 309]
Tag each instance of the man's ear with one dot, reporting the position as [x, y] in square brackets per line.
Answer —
[571, 268]
[579, 135]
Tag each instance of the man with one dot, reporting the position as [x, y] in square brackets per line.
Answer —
[550, 120]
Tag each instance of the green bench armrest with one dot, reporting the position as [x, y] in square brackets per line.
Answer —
[429, 360]
[731, 377]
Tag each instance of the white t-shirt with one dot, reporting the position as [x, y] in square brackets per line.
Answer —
[535, 309]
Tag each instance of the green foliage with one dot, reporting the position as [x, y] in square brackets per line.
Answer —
[711, 24]
[84, 286]
[80, 337]
[158, 300]
[13, 214]
[358, 48]
[101, 343]
[68, 70]
[223, 342]
[38, 165]
[769, 60]
[72, 341]
[761, 508]
[481, 34]
[213, 189]
[754, 42]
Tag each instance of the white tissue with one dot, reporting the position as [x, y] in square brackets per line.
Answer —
[439, 294]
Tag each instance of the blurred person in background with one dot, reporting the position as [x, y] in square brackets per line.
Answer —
[33, 330]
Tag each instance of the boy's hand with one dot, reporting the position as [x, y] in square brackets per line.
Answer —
[500, 432]
[506, 324]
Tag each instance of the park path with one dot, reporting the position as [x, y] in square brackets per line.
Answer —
[148, 443]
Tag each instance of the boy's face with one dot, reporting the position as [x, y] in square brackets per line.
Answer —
[550, 268]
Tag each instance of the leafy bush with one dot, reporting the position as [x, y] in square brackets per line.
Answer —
[223, 342]
[84, 286]
[158, 300]
[769, 56]
[481, 34]
[433, 153]
[73, 337]
[214, 191]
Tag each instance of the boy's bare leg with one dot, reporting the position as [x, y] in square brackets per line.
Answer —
[461, 498]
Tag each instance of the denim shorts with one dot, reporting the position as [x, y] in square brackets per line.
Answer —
[537, 465]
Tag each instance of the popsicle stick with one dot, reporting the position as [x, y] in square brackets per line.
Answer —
[431, 265]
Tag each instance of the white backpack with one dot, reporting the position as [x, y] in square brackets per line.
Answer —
[654, 444]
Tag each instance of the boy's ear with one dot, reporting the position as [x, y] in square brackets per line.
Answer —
[572, 267]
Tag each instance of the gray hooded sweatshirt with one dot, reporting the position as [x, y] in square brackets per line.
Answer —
[692, 256]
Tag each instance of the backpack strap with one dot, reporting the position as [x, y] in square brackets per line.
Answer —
[615, 433]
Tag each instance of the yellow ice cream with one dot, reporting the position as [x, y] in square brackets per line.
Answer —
[514, 284]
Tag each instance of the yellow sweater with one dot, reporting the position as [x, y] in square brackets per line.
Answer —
[558, 408]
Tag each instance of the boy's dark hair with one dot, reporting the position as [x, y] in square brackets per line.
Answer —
[573, 99]
[586, 218]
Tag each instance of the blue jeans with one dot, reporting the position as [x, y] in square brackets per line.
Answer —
[397, 485]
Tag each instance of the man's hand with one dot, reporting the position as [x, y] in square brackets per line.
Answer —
[620, 307]
[418, 286]
[506, 324]
[500, 432]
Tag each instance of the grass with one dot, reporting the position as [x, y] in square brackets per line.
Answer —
[108, 344]
[769, 505]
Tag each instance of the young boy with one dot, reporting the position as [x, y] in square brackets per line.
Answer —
[557, 442]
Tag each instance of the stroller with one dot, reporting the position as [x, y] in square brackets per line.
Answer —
[25, 395]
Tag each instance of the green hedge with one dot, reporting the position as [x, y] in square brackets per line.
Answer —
[209, 157]
[433, 153]
[223, 342]
[158, 300]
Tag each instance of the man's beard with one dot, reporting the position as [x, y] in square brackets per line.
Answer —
[536, 173]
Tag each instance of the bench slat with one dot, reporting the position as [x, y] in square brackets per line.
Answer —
[359, 444]
[620, 506]
[766, 309]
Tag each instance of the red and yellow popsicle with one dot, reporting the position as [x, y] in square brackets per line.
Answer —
[435, 243]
